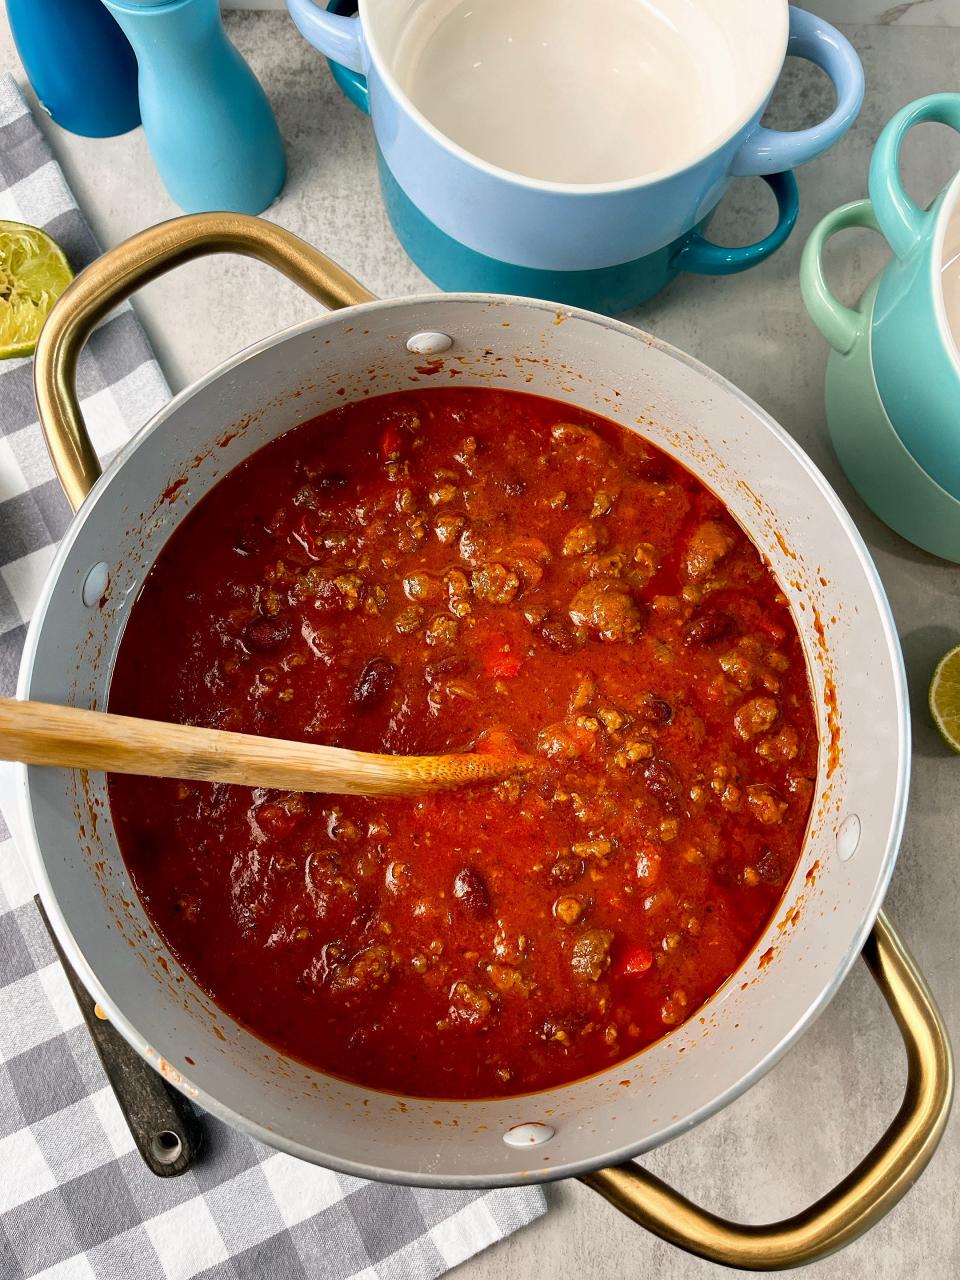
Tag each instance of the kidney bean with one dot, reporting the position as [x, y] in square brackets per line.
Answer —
[656, 710]
[558, 635]
[444, 668]
[663, 783]
[374, 683]
[267, 634]
[709, 628]
[470, 889]
[331, 480]
[769, 868]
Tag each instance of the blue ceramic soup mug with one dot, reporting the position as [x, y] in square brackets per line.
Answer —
[548, 225]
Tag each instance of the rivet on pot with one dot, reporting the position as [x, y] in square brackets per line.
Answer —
[429, 344]
[95, 584]
[848, 837]
[528, 1135]
[166, 1147]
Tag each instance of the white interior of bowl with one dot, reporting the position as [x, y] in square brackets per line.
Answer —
[735, 54]
[791, 514]
[946, 260]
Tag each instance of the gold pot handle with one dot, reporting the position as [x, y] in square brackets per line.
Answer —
[866, 1194]
[120, 272]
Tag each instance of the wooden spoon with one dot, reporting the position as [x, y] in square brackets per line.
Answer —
[71, 738]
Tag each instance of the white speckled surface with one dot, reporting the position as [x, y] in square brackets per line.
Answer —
[817, 1113]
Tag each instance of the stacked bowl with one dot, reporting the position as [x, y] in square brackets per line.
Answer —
[561, 214]
[893, 377]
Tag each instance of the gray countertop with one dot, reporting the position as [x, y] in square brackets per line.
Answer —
[817, 1113]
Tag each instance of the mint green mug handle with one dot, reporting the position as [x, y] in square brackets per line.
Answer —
[840, 325]
[901, 219]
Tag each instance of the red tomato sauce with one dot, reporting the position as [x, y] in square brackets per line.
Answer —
[419, 573]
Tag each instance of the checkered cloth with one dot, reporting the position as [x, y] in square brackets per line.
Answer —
[76, 1200]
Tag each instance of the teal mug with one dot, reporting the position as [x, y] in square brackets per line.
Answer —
[916, 357]
[871, 449]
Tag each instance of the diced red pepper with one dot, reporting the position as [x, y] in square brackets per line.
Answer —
[635, 961]
[498, 661]
[390, 443]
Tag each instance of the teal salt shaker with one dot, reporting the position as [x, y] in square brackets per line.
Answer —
[210, 128]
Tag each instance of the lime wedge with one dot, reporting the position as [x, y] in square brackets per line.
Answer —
[945, 698]
[33, 274]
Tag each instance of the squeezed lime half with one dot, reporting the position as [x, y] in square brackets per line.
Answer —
[945, 698]
[33, 274]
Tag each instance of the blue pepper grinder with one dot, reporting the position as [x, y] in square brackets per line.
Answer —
[79, 63]
[209, 126]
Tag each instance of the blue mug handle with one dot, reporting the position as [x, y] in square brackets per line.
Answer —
[901, 220]
[352, 83]
[704, 258]
[772, 150]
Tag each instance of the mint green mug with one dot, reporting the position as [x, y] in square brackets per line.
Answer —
[916, 322]
[870, 448]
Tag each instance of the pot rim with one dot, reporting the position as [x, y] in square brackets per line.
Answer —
[37, 866]
[371, 42]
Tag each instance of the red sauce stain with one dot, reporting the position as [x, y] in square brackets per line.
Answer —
[757, 502]
[819, 629]
[833, 726]
[454, 373]
[824, 582]
[784, 547]
[766, 957]
[341, 391]
[189, 1060]
[811, 876]
[219, 1034]
[428, 370]
[171, 491]
[227, 439]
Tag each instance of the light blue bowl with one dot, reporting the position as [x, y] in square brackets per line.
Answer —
[609, 246]
[613, 289]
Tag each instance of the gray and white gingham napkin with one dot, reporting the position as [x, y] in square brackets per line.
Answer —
[76, 1200]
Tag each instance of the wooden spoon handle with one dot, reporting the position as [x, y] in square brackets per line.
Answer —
[72, 738]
